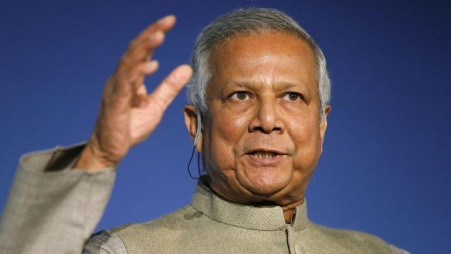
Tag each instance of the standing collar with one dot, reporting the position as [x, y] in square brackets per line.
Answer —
[244, 215]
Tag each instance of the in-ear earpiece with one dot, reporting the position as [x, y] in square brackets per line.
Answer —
[196, 140]
[199, 126]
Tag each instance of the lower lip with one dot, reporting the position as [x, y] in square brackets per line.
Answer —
[267, 161]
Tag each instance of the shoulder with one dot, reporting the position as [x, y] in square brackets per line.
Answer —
[172, 222]
[354, 241]
[158, 233]
[118, 239]
[104, 242]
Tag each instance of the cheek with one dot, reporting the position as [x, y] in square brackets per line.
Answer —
[228, 127]
[226, 132]
[307, 140]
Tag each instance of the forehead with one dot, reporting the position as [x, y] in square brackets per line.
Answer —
[269, 57]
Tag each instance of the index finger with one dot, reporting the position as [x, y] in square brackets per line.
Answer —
[164, 24]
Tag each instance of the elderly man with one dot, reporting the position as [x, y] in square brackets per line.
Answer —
[259, 94]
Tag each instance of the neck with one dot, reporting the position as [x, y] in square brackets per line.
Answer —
[288, 215]
[289, 211]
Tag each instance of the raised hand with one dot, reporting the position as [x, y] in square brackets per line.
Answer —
[127, 114]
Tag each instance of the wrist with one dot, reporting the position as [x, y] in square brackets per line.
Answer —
[92, 159]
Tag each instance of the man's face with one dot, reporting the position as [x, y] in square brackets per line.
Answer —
[262, 136]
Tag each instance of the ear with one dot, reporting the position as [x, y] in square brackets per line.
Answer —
[190, 113]
[323, 125]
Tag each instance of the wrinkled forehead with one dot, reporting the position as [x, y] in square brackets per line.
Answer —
[253, 56]
[220, 42]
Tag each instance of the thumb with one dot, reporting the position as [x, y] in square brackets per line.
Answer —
[171, 86]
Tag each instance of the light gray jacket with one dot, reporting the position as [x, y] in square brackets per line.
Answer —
[47, 210]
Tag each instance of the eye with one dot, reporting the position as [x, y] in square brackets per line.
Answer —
[241, 95]
[292, 96]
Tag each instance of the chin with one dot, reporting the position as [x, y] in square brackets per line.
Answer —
[265, 186]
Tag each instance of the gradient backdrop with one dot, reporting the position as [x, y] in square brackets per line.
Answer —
[386, 162]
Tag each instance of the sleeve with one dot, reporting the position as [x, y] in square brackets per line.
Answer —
[104, 242]
[51, 208]
[396, 250]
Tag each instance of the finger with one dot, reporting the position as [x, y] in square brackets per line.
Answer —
[142, 47]
[144, 51]
[142, 90]
[164, 24]
[125, 83]
[137, 74]
[171, 85]
[141, 100]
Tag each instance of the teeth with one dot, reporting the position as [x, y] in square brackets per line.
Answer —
[264, 155]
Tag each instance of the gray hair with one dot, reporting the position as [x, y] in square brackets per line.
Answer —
[248, 21]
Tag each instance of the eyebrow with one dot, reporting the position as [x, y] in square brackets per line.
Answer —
[279, 85]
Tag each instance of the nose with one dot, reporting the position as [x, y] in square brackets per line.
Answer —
[266, 118]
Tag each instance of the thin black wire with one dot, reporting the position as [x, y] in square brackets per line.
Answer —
[198, 164]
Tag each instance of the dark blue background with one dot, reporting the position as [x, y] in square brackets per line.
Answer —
[385, 167]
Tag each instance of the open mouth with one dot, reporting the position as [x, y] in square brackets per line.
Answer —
[264, 155]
